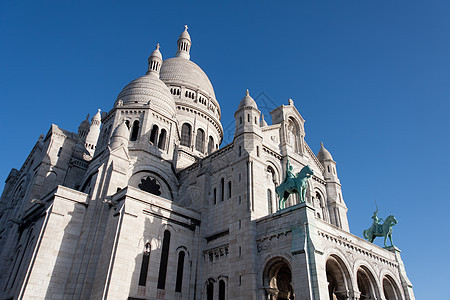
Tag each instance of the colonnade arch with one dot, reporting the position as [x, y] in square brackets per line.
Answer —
[390, 289]
[366, 284]
[338, 278]
[277, 280]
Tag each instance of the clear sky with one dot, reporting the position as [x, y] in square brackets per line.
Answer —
[371, 79]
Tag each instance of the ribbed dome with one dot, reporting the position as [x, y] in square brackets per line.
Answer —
[324, 154]
[148, 88]
[182, 71]
[247, 101]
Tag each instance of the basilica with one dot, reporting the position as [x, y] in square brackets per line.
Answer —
[145, 202]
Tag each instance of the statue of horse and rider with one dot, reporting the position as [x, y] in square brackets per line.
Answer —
[378, 229]
[293, 183]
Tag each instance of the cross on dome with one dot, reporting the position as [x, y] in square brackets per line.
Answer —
[185, 27]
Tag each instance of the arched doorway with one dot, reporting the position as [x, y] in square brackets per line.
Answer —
[338, 278]
[278, 280]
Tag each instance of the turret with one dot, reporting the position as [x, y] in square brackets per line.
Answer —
[336, 204]
[247, 116]
[184, 44]
[263, 122]
[154, 62]
[83, 129]
[94, 132]
[120, 137]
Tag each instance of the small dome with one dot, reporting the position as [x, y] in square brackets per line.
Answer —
[148, 89]
[185, 34]
[156, 52]
[247, 101]
[85, 124]
[120, 136]
[121, 131]
[182, 71]
[324, 154]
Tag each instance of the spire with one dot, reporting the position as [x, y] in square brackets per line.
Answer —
[155, 62]
[184, 44]
[263, 122]
[97, 119]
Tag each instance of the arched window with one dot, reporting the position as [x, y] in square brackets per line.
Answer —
[134, 131]
[162, 140]
[200, 140]
[210, 145]
[222, 185]
[180, 268]
[221, 290]
[154, 134]
[127, 122]
[229, 189]
[186, 135]
[144, 265]
[210, 291]
[269, 201]
[164, 260]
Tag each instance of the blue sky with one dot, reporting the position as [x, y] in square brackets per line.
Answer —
[371, 79]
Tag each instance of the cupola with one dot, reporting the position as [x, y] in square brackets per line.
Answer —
[324, 154]
[247, 101]
[184, 44]
[155, 61]
[120, 137]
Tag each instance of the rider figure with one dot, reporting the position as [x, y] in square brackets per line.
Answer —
[290, 175]
[376, 221]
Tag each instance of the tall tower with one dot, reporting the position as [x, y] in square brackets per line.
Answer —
[94, 132]
[336, 204]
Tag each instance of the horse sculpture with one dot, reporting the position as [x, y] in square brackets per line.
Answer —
[296, 184]
[384, 229]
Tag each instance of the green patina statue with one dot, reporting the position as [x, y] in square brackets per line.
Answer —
[293, 183]
[379, 229]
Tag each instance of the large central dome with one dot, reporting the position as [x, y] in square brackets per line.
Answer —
[180, 70]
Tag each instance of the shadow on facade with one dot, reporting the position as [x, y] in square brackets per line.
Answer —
[146, 267]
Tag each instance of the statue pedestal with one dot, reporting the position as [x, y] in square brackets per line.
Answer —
[392, 249]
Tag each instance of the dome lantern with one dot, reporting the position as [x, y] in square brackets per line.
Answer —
[184, 44]
[155, 62]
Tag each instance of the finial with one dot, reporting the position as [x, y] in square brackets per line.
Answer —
[321, 144]
[87, 117]
[247, 93]
[185, 27]
[291, 102]
[157, 46]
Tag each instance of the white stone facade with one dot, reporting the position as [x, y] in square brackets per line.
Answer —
[142, 204]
